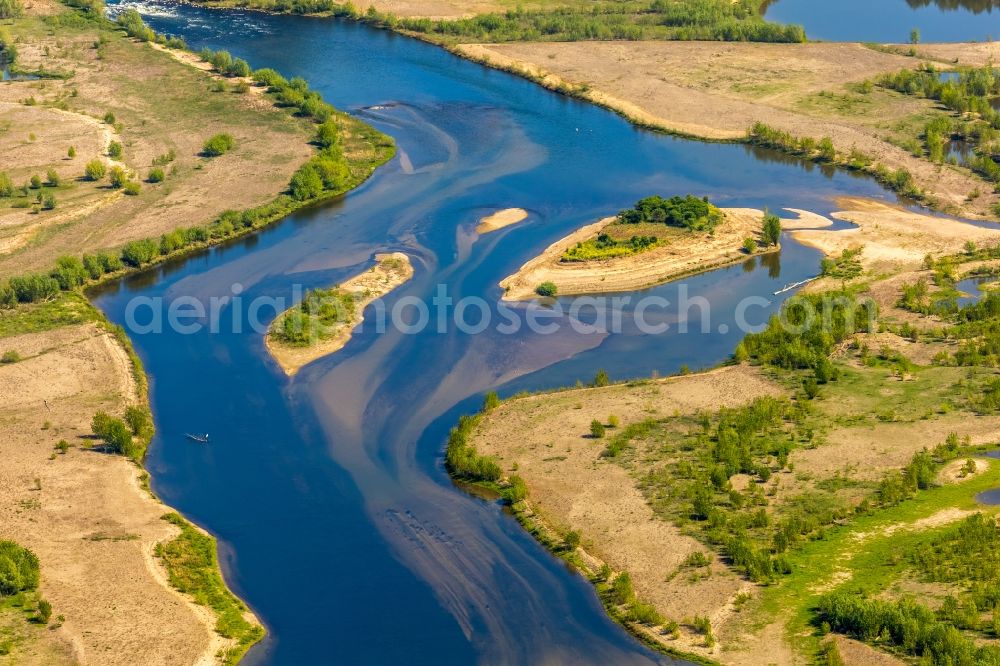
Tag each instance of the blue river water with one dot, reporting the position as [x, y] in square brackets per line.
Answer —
[336, 520]
[891, 21]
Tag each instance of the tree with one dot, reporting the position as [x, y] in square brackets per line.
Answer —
[772, 228]
[71, 153]
[328, 134]
[547, 289]
[6, 185]
[826, 149]
[115, 150]
[306, 183]
[596, 429]
[601, 378]
[36, 182]
[95, 170]
[915, 36]
[220, 144]
[118, 177]
[238, 67]
[140, 252]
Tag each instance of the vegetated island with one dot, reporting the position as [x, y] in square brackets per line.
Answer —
[500, 219]
[323, 322]
[656, 241]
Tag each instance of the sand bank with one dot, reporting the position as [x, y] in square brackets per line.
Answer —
[500, 219]
[390, 271]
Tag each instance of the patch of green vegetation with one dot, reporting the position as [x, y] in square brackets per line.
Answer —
[606, 247]
[317, 317]
[64, 309]
[968, 93]
[193, 568]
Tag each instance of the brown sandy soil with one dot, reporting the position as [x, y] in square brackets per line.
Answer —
[545, 438]
[875, 449]
[500, 219]
[391, 271]
[689, 253]
[86, 514]
[717, 90]
[160, 104]
[856, 653]
[955, 472]
[894, 238]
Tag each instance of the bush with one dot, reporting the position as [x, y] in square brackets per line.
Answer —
[621, 591]
[10, 356]
[118, 177]
[71, 153]
[156, 175]
[140, 252]
[547, 289]
[69, 272]
[517, 490]
[115, 150]
[220, 144]
[18, 569]
[44, 611]
[52, 177]
[749, 245]
[95, 170]
[48, 201]
[132, 188]
[10, 9]
[33, 288]
[596, 429]
[6, 185]
[115, 434]
[36, 182]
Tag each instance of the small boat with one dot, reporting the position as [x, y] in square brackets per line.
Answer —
[198, 438]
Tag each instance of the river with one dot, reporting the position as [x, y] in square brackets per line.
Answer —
[891, 21]
[335, 518]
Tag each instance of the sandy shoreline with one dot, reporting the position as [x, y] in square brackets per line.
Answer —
[390, 271]
[692, 254]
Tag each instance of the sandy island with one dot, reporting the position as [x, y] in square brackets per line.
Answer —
[500, 219]
[390, 271]
[689, 253]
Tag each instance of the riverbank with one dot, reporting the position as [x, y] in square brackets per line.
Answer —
[682, 253]
[716, 91]
[89, 515]
[119, 566]
[389, 272]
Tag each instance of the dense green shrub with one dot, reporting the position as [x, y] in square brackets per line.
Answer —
[547, 289]
[95, 170]
[115, 434]
[687, 212]
[220, 144]
[18, 569]
[10, 9]
[140, 252]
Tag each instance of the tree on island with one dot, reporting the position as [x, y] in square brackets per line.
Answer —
[772, 228]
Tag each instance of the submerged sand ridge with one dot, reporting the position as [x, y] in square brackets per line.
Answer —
[685, 254]
[389, 272]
